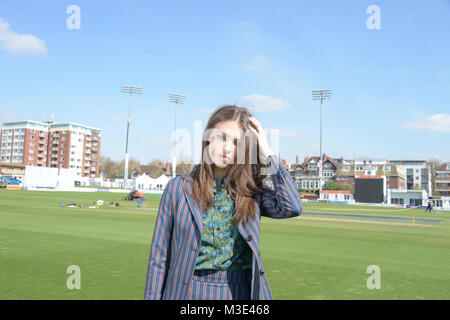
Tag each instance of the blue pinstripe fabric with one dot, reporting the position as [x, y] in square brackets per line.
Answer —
[220, 285]
[177, 235]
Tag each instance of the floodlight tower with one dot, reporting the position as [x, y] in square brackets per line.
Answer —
[175, 98]
[321, 95]
[131, 90]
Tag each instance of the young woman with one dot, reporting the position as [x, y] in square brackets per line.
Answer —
[206, 238]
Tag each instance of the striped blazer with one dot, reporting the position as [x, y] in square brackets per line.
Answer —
[178, 229]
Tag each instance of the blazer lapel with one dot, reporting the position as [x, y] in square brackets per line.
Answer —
[194, 205]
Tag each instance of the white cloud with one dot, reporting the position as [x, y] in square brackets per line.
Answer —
[259, 103]
[258, 63]
[437, 123]
[19, 43]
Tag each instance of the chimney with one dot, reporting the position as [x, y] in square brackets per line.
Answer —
[296, 160]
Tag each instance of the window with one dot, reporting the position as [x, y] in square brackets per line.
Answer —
[32, 137]
[359, 168]
[346, 168]
[397, 201]
[62, 159]
[328, 173]
[387, 168]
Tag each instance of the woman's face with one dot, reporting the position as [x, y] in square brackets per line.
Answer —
[223, 142]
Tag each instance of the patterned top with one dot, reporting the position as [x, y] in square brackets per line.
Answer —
[222, 246]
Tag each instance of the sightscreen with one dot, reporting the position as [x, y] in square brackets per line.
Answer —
[368, 190]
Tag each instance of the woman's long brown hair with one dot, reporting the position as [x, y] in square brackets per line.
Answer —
[243, 180]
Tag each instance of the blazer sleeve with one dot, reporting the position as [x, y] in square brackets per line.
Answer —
[159, 259]
[284, 201]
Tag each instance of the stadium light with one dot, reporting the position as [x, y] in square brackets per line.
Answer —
[131, 90]
[321, 95]
[175, 98]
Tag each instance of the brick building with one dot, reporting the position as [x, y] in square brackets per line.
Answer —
[442, 180]
[51, 144]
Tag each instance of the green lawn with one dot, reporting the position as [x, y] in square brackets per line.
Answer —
[307, 257]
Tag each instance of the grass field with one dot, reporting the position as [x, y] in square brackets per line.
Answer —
[307, 257]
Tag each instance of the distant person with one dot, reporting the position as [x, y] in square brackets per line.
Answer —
[429, 207]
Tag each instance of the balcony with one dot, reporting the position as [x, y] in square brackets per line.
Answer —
[42, 135]
[93, 169]
[54, 162]
[88, 152]
[88, 145]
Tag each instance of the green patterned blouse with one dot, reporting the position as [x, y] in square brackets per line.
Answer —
[222, 246]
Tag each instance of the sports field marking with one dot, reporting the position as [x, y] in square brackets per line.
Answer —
[407, 219]
[364, 209]
[364, 221]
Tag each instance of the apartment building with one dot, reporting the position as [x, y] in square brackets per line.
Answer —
[442, 180]
[418, 174]
[51, 144]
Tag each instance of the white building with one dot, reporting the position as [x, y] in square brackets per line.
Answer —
[418, 173]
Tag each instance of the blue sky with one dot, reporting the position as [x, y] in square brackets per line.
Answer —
[391, 85]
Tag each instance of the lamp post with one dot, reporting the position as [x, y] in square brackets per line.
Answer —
[321, 95]
[131, 90]
[175, 98]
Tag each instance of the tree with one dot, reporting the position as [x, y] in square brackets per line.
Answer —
[332, 185]
[433, 163]
[417, 187]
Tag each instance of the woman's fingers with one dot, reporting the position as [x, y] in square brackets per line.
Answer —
[256, 124]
